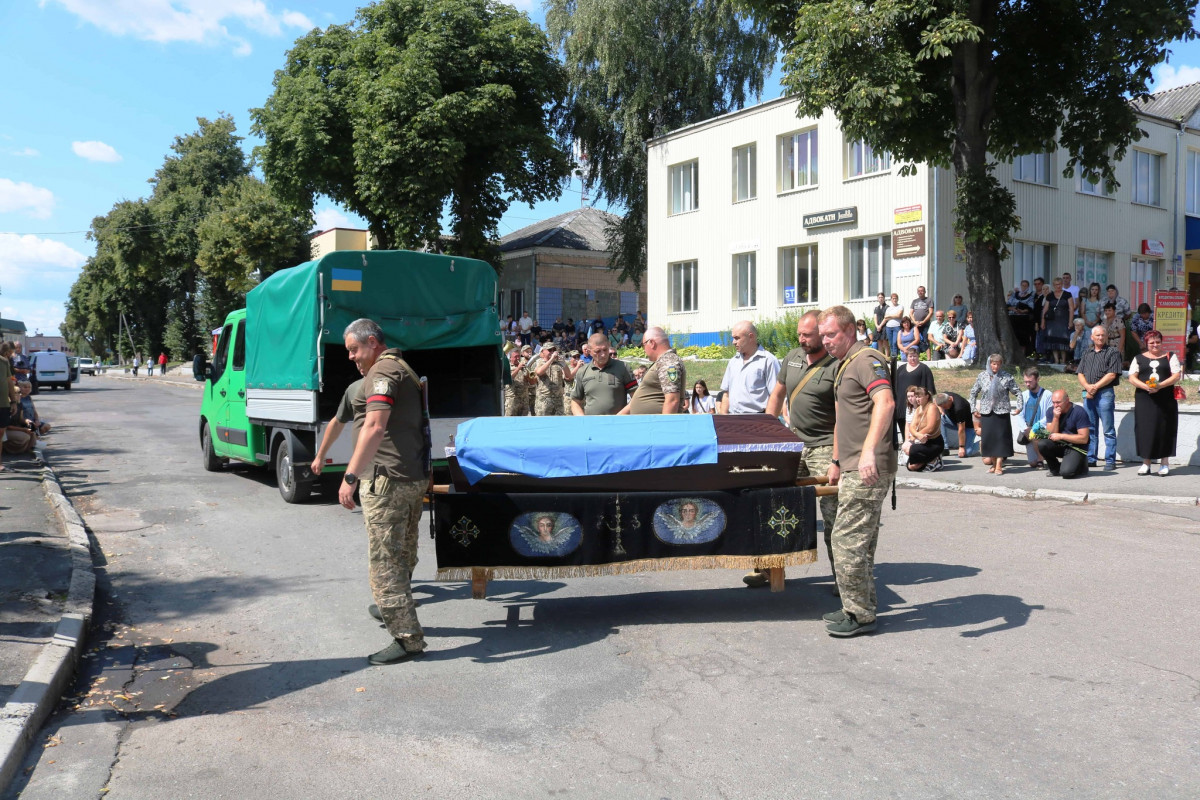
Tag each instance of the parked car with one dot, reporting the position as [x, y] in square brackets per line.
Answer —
[50, 368]
[87, 366]
[73, 363]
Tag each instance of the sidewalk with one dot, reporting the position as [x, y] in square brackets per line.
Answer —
[179, 376]
[46, 592]
[971, 476]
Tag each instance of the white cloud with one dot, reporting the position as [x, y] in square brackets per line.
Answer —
[96, 151]
[1169, 77]
[33, 200]
[196, 21]
[27, 152]
[44, 316]
[327, 218]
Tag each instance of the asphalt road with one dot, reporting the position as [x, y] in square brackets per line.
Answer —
[1026, 649]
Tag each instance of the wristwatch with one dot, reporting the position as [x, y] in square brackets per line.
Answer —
[350, 478]
[835, 462]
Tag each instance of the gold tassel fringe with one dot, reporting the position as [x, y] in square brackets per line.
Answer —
[630, 567]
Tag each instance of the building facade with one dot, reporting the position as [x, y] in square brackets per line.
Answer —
[559, 268]
[760, 212]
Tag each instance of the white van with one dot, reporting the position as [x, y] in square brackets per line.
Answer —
[50, 368]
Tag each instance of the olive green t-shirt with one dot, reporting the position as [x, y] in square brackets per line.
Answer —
[858, 380]
[603, 391]
[352, 400]
[664, 376]
[390, 384]
[811, 414]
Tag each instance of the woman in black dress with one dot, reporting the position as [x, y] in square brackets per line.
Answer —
[1058, 310]
[1154, 374]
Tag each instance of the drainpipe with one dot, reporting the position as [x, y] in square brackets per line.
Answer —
[933, 249]
[1176, 216]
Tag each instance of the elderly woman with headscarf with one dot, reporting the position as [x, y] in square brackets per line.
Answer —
[993, 410]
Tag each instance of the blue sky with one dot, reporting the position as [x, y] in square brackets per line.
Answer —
[96, 90]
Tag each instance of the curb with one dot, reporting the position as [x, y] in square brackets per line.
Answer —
[1061, 495]
[162, 381]
[34, 699]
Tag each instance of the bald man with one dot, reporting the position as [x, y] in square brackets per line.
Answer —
[661, 390]
[750, 375]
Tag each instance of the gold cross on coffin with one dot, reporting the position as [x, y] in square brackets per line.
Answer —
[783, 522]
[464, 532]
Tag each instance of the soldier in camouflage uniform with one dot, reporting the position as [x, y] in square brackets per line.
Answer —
[529, 384]
[805, 382]
[663, 387]
[516, 396]
[551, 383]
[863, 464]
[390, 456]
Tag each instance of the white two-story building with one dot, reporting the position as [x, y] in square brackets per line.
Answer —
[759, 212]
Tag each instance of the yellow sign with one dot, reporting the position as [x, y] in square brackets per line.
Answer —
[907, 214]
[960, 248]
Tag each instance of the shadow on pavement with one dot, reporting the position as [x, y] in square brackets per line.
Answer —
[1003, 610]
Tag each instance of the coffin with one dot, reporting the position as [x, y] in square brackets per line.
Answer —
[623, 454]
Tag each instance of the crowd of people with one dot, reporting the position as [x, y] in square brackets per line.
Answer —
[569, 335]
[20, 424]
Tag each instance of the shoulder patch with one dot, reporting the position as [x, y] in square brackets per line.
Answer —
[382, 386]
[673, 374]
[881, 371]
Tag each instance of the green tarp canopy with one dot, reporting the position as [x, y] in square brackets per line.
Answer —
[423, 302]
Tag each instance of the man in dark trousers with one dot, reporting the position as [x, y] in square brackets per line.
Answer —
[1099, 372]
[1067, 433]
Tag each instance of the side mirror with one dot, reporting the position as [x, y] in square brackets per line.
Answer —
[200, 367]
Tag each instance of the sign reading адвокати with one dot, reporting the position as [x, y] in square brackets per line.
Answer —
[838, 216]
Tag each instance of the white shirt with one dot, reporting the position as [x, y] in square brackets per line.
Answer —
[749, 382]
[895, 321]
[526, 323]
[1073, 290]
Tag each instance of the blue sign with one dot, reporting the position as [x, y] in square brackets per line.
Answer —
[789, 295]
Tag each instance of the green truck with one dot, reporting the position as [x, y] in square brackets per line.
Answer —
[280, 366]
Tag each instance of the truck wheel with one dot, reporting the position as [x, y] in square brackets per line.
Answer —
[292, 490]
[212, 462]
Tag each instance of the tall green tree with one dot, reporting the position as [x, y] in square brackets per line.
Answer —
[960, 83]
[639, 69]
[419, 107]
[175, 263]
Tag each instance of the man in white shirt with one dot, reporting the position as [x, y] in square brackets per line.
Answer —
[750, 376]
[526, 325]
[1068, 287]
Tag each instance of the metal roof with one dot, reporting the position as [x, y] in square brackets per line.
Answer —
[1177, 105]
[12, 325]
[581, 229]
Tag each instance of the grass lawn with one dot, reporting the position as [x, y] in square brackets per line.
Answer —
[946, 380]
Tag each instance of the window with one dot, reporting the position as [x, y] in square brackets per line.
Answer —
[549, 306]
[1090, 266]
[683, 286]
[862, 160]
[685, 182]
[1032, 261]
[1082, 184]
[745, 282]
[1141, 281]
[798, 275]
[1191, 179]
[869, 264]
[798, 160]
[629, 303]
[239, 349]
[745, 178]
[1146, 178]
[1032, 168]
[221, 354]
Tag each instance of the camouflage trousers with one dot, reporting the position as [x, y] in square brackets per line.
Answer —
[392, 510]
[855, 535]
[515, 406]
[549, 406]
[814, 462]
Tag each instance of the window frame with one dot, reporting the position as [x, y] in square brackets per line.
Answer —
[693, 167]
[1191, 183]
[884, 160]
[811, 269]
[812, 160]
[674, 288]
[1019, 273]
[1020, 164]
[1153, 176]
[747, 261]
[884, 283]
[751, 149]
[1082, 276]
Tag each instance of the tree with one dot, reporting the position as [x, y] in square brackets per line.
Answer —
[640, 68]
[419, 107]
[174, 264]
[961, 83]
